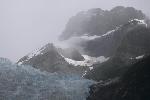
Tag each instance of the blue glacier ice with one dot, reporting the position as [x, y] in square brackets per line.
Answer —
[27, 83]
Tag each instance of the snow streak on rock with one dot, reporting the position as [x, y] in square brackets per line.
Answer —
[140, 22]
[87, 37]
[140, 57]
[93, 37]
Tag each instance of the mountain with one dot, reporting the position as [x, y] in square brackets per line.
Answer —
[55, 59]
[120, 34]
[92, 31]
[107, 44]
[48, 58]
[109, 47]
[97, 21]
[108, 41]
[133, 85]
[124, 47]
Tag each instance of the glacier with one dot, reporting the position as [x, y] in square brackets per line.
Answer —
[27, 83]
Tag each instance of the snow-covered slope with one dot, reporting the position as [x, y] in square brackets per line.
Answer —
[71, 53]
[36, 52]
[31, 55]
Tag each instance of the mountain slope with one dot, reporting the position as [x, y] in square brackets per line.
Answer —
[131, 41]
[107, 44]
[98, 22]
[48, 58]
[133, 85]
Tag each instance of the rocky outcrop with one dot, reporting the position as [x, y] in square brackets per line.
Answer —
[48, 58]
[107, 44]
[133, 85]
[98, 22]
[123, 46]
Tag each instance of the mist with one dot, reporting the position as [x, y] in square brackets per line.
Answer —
[28, 24]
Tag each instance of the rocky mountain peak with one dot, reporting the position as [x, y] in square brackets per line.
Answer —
[98, 22]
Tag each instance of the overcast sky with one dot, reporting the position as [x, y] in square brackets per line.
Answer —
[29, 24]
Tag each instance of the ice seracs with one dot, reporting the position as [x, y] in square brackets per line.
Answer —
[4, 61]
[28, 83]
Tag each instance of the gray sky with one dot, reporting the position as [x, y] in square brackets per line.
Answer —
[29, 24]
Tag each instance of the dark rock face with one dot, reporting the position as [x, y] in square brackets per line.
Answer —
[123, 45]
[136, 42]
[133, 85]
[98, 21]
[113, 68]
[49, 59]
[107, 45]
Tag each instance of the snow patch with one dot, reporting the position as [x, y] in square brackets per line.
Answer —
[20, 63]
[109, 32]
[90, 68]
[139, 57]
[89, 61]
[142, 22]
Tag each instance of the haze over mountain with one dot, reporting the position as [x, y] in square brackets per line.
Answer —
[107, 47]
[103, 42]
[102, 51]
[30, 24]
